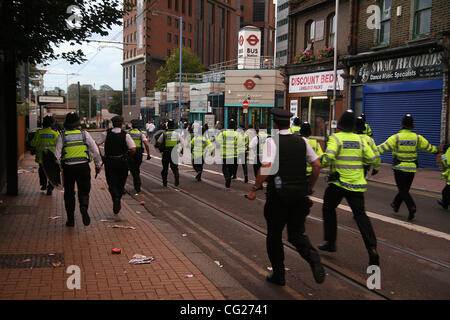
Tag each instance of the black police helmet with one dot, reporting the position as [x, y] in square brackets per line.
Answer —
[232, 124]
[360, 125]
[48, 121]
[296, 121]
[72, 120]
[408, 122]
[170, 124]
[347, 121]
[363, 116]
[305, 129]
[135, 123]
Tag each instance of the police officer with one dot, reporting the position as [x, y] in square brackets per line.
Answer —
[284, 166]
[345, 154]
[135, 161]
[170, 140]
[295, 126]
[305, 132]
[45, 139]
[73, 150]
[360, 130]
[445, 159]
[367, 128]
[404, 146]
[227, 141]
[256, 147]
[199, 146]
[242, 148]
[119, 146]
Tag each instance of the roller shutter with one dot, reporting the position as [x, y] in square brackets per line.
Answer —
[386, 104]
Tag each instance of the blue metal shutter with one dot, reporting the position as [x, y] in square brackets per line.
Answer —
[385, 110]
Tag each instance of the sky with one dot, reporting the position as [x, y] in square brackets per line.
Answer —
[102, 67]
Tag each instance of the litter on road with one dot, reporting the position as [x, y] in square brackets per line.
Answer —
[140, 259]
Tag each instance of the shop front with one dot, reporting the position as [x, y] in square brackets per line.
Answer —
[385, 90]
[310, 99]
[258, 90]
[204, 98]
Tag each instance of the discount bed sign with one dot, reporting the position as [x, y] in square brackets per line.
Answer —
[315, 82]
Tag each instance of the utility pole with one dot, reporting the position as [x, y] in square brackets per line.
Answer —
[89, 114]
[78, 98]
[336, 17]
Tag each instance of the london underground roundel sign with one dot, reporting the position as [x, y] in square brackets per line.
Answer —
[241, 40]
[253, 40]
[249, 84]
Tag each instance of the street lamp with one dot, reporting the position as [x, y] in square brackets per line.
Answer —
[155, 13]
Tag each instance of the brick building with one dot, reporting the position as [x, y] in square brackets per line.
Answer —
[209, 29]
[309, 74]
[398, 64]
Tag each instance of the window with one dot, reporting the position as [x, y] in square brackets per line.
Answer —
[183, 6]
[169, 4]
[189, 43]
[169, 21]
[309, 33]
[168, 52]
[331, 29]
[283, 37]
[169, 37]
[282, 22]
[190, 8]
[210, 13]
[176, 5]
[175, 38]
[259, 9]
[384, 33]
[190, 27]
[422, 18]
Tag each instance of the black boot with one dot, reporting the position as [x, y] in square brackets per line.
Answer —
[442, 204]
[316, 267]
[327, 246]
[394, 207]
[246, 179]
[199, 176]
[374, 258]
[85, 216]
[276, 278]
[177, 180]
[412, 213]
[116, 205]
[70, 220]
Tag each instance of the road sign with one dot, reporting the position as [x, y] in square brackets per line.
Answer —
[50, 99]
[245, 104]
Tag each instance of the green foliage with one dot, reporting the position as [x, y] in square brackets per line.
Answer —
[190, 64]
[115, 106]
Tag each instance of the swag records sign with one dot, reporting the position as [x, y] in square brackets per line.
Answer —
[428, 65]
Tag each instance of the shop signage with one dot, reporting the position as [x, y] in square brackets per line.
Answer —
[50, 99]
[294, 108]
[315, 82]
[426, 65]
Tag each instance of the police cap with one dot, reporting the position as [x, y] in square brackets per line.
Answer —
[280, 114]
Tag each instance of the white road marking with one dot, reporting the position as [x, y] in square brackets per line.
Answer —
[404, 224]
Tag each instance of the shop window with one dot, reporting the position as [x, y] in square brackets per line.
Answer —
[422, 18]
[331, 29]
[309, 34]
[384, 33]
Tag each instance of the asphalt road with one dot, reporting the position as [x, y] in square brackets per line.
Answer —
[414, 257]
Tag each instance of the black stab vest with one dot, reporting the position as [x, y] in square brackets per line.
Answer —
[115, 144]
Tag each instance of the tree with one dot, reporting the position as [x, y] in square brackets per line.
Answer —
[31, 28]
[115, 106]
[190, 64]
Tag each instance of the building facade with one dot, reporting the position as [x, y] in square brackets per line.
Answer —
[309, 72]
[209, 30]
[281, 34]
[400, 65]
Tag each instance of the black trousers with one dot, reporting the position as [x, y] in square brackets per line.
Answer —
[116, 172]
[229, 167]
[43, 179]
[332, 198]
[134, 164]
[81, 175]
[242, 159]
[197, 164]
[446, 195]
[256, 167]
[404, 181]
[166, 161]
[291, 211]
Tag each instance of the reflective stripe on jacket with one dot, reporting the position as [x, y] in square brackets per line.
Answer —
[136, 135]
[404, 146]
[44, 139]
[74, 146]
[295, 129]
[346, 154]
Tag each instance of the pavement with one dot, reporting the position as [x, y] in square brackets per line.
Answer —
[38, 253]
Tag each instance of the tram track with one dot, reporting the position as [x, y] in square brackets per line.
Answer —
[331, 268]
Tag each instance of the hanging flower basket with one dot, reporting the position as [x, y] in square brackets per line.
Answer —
[326, 52]
[305, 57]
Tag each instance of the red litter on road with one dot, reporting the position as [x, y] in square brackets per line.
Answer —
[116, 250]
[142, 203]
